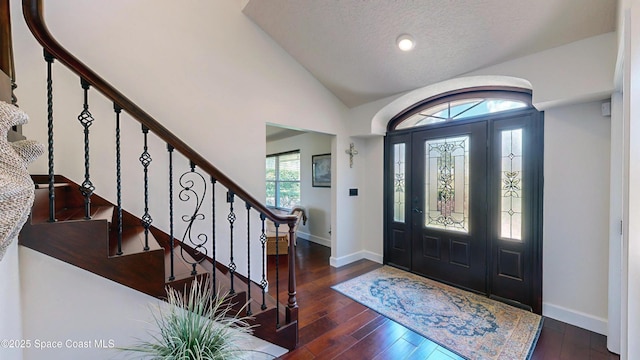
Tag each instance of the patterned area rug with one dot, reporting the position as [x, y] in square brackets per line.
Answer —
[470, 325]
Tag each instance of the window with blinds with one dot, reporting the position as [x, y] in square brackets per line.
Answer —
[283, 180]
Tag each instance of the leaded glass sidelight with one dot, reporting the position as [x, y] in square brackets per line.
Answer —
[511, 191]
[399, 201]
[447, 184]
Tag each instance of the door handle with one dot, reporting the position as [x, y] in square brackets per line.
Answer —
[416, 202]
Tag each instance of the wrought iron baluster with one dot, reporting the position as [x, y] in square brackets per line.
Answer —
[171, 240]
[231, 218]
[86, 119]
[52, 197]
[117, 110]
[145, 160]
[187, 193]
[248, 207]
[213, 228]
[14, 98]
[263, 282]
[277, 277]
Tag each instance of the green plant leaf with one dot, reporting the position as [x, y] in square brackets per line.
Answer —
[197, 325]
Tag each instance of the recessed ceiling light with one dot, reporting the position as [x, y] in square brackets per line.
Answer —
[405, 42]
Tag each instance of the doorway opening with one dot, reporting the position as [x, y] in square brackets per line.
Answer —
[463, 193]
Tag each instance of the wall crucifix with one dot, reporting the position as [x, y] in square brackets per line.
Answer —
[352, 152]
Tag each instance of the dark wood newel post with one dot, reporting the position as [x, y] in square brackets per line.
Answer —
[292, 312]
[6, 58]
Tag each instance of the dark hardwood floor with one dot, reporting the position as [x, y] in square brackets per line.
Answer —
[332, 326]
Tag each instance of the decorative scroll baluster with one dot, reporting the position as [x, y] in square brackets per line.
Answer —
[248, 207]
[117, 110]
[145, 160]
[188, 191]
[263, 282]
[213, 228]
[52, 202]
[86, 119]
[171, 240]
[231, 218]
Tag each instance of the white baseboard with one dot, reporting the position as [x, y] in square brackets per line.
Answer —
[576, 318]
[348, 259]
[315, 239]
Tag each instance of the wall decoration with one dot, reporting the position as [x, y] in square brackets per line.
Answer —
[321, 170]
[351, 152]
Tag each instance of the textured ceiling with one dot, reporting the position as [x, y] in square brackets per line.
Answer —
[349, 45]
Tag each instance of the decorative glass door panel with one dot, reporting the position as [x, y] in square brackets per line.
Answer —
[398, 215]
[447, 184]
[512, 185]
[448, 196]
[399, 195]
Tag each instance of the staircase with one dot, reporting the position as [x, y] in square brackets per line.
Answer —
[92, 244]
[72, 223]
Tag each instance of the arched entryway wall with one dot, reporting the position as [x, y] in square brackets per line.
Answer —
[381, 119]
[490, 257]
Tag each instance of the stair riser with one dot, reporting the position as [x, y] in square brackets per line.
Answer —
[63, 198]
[66, 195]
[83, 244]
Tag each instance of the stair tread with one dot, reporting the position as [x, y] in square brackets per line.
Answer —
[181, 269]
[240, 286]
[77, 214]
[223, 281]
[132, 241]
[40, 186]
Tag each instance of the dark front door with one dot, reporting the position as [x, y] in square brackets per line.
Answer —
[464, 204]
[448, 210]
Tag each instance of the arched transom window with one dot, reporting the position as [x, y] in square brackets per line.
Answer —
[461, 106]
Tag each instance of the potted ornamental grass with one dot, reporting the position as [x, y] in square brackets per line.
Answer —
[197, 324]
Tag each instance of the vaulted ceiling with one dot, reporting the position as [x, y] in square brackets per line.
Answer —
[350, 45]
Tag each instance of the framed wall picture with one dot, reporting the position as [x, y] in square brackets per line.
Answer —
[321, 170]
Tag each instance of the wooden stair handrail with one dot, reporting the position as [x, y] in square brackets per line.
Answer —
[6, 57]
[34, 17]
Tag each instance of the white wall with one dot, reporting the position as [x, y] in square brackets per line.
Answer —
[345, 210]
[205, 71]
[61, 302]
[631, 246]
[371, 214]
[66, 304]
[576, 215]
[576, 72]
[315, 200]
[616, 225]
[11, 314]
